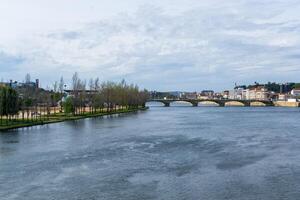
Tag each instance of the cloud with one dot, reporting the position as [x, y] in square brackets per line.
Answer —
[9, 62]
[212, 46]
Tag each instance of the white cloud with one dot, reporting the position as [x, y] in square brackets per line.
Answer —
[211, 45]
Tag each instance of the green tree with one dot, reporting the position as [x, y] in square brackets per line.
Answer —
[9, 102]
[296, 85]
[68, 105]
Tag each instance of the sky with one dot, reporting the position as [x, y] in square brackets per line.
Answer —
[165, 45]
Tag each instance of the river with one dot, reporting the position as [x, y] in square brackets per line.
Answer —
[167, 153]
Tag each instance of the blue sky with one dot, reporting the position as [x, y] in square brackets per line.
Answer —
[166, 45]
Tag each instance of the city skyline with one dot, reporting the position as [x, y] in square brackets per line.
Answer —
[68, 85]
[165, 46]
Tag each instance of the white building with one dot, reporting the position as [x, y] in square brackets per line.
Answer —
[292, 100]
[258, 93]
[295, 92]
[238, 93]
[282, 97]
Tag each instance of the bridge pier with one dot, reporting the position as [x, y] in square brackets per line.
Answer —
[195, 104]
[167, 104]
[221, 104]
[247, 104]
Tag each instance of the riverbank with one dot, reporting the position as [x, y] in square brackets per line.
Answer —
[286, 104]
[61, 117]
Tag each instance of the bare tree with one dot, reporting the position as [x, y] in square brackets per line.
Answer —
[61, 85]
[75, 81]
[91, 84]
[55, 86]
[75, 87]
[97, 84]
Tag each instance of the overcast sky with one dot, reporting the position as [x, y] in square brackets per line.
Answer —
[165, 45]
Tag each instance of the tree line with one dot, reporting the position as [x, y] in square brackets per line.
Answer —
[27, 103]
[107, 96]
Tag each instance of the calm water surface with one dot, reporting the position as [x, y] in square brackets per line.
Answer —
[207, 153]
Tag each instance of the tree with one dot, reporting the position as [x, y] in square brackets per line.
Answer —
[143, 97]
[9, 103]
[97, 84]
[91, 84]
[69, 105]
[82, 96]
[75, 81]
[55, 86]
[2, 102]
[296, 85]
[61, 85]
[75, 87]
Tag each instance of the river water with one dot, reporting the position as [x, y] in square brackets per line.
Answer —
[209, 153]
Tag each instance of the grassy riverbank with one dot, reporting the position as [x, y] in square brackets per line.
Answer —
[61, 117]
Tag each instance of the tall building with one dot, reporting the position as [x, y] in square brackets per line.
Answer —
[237, 93]
[226, 94]
[258, 93]
[37, 83]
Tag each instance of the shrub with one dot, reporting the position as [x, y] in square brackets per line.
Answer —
[68, 105]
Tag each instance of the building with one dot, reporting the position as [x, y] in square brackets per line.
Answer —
[254, 93]
[258, 93]
[243, 94]
[199, 96]
[189, 95]
[16, 84]
[72, 92]
[206, 94]
[285, 88]
[237, 93]
[218, 95]
[282, 97]
[35, 84]
[225, 94]
[292, 100]
[295, 92]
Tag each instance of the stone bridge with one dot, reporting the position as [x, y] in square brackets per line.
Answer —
[220, 102]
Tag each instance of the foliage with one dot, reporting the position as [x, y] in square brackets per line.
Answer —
[28, 102]
[69, 105]
[275, 87]
[38, 104]
[109, 95]
[9, 104]
[296, 85]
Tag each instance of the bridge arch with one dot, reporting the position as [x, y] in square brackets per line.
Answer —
[220, 102]
[257, 103]
[168, 102]
[210, 103]
[157, 103]
[261, 103]
[236, 103]
[189, 103]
